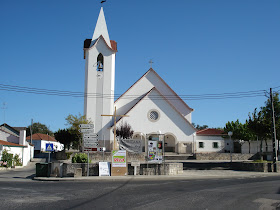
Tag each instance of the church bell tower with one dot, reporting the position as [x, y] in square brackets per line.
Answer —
[100, 54]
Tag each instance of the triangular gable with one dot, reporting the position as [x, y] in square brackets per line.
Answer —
[123, 96]
[113, 48]
[163, 98]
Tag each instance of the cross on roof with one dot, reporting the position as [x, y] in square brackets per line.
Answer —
[151, 62]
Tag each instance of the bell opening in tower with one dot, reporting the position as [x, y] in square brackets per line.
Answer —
[100, 62]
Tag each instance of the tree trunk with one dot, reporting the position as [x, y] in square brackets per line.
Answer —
[266, 146]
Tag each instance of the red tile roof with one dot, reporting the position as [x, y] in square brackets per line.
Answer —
[40, 136]
[210, 132]
[6, 143]
[114, 45]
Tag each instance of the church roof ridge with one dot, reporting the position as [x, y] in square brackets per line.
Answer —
[151, 69]
[144, 96]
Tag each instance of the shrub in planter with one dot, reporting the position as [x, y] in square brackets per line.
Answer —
[80, 158]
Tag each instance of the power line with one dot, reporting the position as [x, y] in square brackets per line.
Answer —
[39, 91]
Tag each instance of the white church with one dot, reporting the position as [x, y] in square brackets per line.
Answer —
[153, 108]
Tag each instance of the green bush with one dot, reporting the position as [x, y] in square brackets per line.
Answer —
[68, 154]
[80, 158]
[8, 158]
[17, 160]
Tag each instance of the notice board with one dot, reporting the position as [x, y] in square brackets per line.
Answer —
[119, 163]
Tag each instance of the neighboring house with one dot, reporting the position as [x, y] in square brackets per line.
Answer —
[40, 140]
[14, 141]
[212, 140]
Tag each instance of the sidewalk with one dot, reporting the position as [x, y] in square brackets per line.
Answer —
[187, 175]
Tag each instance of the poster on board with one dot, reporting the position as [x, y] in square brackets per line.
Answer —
[104, 169]
[155, 151]
[119, 158]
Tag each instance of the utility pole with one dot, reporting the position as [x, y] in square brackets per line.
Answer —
[273, 133]
[31, 131]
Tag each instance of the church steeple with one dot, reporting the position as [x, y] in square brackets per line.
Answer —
[101, 28]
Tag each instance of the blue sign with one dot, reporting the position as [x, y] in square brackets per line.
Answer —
[49, 147]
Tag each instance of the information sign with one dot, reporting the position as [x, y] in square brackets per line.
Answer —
[85, 130]
[104, 169]
[49, 147]
[86, 126]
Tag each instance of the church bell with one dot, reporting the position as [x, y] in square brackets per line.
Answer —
[99, 66]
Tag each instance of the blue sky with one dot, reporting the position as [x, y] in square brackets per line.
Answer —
[198, 47]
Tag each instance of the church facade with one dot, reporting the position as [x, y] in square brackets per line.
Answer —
[154, 109]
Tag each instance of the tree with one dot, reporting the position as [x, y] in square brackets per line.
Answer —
[240, 131]
[38, 128]
[65, 137]
[73, 121]
[259, 122]
[199, 127]
[258, 125]
[124, 131]
[267, 113]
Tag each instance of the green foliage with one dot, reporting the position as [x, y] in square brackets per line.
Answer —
[240, 131]
[65, 136]
[38, 128]
[17, 160]
[199, 127]
[7, 158]
[80, 158]
[68, 154]
[73, 122]
[124, 131]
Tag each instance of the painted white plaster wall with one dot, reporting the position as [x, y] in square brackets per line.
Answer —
[102, 82]
[8, 137]
[223, 144]
[255, 147]
[170, 121]
[56, 145]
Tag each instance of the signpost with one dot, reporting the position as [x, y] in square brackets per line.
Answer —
[90, 140]
[49, 149]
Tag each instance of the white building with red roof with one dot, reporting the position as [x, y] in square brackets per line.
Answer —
[40, 140]
[13, 140]
[212, 140]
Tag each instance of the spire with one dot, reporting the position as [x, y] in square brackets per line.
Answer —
[101, 28]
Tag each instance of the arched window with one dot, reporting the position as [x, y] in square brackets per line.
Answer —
[100, 62]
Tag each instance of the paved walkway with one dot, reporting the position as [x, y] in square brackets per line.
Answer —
[187, 175]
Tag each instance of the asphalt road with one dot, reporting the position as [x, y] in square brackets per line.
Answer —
[19, 192]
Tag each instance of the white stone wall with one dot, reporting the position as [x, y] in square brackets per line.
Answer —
[208, 141]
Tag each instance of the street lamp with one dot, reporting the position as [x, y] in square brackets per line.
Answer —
[230, 134]
[194, 134]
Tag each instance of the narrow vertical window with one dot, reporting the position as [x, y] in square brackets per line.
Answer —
[100, 62]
